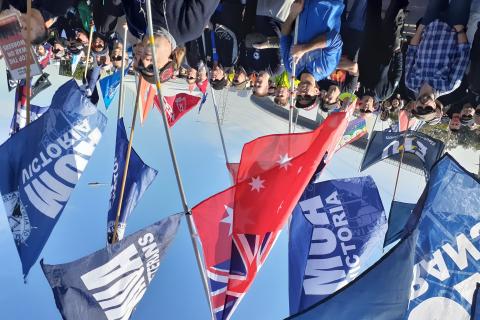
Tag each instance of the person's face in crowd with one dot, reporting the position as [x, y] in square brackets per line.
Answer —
[477, 115]
[217, 73]
[261, 85]
[455, 124]
[137, 54]
[102, 60]
[240, 76]
[467, 112]
[191, 75]
[307, 88]
[387, 105]
[58, 50]
[117, 55]
[366, 106]
[395, 103]
[41, 50]
[201, 75]
[331, 96]
[163, 50]
[425, 104]
[271, 88]
[98, 44]
[82, 37]
[282, 94]
[146, 59]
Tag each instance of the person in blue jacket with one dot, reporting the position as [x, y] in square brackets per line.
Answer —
[319, 46]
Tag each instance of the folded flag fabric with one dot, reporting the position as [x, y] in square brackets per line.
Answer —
[397, 219]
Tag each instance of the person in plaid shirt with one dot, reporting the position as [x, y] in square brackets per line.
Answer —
[437, 56]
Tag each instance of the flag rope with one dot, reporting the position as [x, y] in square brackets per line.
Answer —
[219, 125]
[188, 215]
[292, 81]
[121, 101]
[90, 38]
[125, 170]
[369, 140]
[402, 152]
[28, 80]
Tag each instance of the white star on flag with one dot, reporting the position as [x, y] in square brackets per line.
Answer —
[257, 184]
[229, 218]
[284, 161]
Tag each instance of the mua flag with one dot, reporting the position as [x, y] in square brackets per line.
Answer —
[447, 255]
[384, 145]
[110, 86]
[41, 164]
[177, 106]
[397, 219]
[109, 283]
[139, 178]
[336, 232]
[238, 227]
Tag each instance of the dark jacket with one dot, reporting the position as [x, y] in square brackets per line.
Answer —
[184, 19]
[49, 8]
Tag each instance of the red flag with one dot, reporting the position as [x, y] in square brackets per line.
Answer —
[403, 122]
[177, 106]
[202, 86]
[239, 226]
[233, 169]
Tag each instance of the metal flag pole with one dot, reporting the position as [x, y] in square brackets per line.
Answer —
[218, 123]
[121, 101]
[368, 142]
[292, 81]
[28, 80]
[188, 214]
[90, 38]
[125, 170]
[402, 152]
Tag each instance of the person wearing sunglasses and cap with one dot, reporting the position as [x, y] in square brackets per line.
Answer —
[319, 47]
[437, 56]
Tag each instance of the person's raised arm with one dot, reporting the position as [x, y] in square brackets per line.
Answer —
[418, 36]
[295, 9]
[299, 50]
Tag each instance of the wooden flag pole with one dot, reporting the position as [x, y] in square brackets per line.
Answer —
[28, 80]
[218, 123]
[125, 170]
[90, 38]
[402, 152]
[188, 214]
[292, 81]
[121, 101]
[369, 140]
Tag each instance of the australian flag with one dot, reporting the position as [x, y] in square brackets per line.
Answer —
[109, 283]
[385, 145]
[41, 164]
[139, 178]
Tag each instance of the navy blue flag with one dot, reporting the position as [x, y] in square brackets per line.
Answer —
[435, 263]
[139, 178]
[476, 304]
[336, 232]
[109, 283]
[110, 86]
[397, 219]
[384, 145]
[41, 164]
[447, 256]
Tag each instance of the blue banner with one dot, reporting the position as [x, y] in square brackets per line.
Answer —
[109, 283]
[447, 255]
[385, 145]
[41, 164]
[139, 178]
[337, 230]
[397, 219]
[110, 85]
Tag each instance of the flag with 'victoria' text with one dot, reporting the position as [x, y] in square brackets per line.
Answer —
[41, 164]
[109, 283]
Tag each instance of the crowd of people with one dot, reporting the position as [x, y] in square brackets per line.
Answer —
[332, 46]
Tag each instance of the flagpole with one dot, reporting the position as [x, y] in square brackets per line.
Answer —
[90, 38]
[219, 126]
[125, 170]
[28, 80]
[292, 81]
[401, 159]
[188, 214]
[369, 140]
[121, 101]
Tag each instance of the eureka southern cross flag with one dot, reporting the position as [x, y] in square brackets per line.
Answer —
[41, 164]
[238, 227]
[336, 232]
[108, 284]
[139, 178]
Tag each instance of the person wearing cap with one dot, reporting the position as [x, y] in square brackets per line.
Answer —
[319, 46]
[174, 21]
[282, 88]
[467, 115]
[116, 55]
[437, 56]
[218, 77]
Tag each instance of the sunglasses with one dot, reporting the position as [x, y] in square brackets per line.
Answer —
[365, 111]
[422, 110]
[118, 58]
[477, 112]
[165, 73]
[467, 116]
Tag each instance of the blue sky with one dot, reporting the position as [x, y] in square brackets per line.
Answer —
[176, 292]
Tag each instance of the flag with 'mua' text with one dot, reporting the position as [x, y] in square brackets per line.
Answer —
[41, 165]
[177, 106]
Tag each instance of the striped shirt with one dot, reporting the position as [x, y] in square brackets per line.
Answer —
[438, 60]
